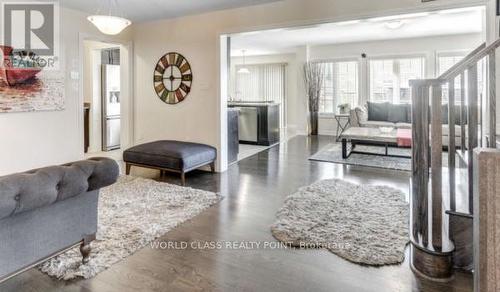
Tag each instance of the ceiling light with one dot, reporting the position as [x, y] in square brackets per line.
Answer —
[108, 23]
[244, 69]
[395, 24]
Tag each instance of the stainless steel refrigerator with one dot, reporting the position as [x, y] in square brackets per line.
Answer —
[110, 87]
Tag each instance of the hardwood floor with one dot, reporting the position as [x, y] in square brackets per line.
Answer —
[253, 190]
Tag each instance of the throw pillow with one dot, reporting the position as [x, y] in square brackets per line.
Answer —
[378, 111]
[397, 113]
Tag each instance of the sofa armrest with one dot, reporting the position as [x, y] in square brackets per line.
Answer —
[37, 188]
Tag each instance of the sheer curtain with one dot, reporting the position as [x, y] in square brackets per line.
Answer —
[264, 83]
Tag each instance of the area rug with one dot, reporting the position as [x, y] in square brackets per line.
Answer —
[132, 213]
[364, 224]
[333, 153]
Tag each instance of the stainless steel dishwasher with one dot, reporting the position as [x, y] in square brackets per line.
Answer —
[249, 124]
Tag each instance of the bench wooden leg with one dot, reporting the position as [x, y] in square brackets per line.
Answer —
[183, 178]
[212, 167]
[127, 168]
[85, 251]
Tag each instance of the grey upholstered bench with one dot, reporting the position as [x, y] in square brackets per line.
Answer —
[173, 156]
[43, 212]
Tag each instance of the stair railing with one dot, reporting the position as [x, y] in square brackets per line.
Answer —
[432, 248]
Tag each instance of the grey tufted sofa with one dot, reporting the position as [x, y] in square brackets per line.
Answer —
[46, 211]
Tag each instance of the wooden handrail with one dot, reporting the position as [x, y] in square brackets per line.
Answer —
[471, 60]
[470, 55]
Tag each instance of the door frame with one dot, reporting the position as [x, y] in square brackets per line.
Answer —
[127, 88]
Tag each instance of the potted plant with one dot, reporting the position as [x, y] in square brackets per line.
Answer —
[344, 108]
[313, 79]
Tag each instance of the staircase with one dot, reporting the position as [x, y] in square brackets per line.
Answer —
[442, 208]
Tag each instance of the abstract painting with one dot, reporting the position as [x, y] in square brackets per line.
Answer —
[27, 86]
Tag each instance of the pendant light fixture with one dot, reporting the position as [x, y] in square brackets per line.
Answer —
[108, 23]
[244, 69]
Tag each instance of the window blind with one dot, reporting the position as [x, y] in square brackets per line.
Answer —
[264, 83]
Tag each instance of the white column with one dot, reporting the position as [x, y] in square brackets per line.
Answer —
[224, 49]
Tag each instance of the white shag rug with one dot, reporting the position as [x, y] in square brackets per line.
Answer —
[132, 213]
[361, 223]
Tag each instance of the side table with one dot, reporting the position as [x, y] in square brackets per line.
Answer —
[343, 122]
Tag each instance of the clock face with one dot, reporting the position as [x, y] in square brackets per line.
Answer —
[173, 78]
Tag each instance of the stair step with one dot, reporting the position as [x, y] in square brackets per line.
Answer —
[460, 214]
[460, 230]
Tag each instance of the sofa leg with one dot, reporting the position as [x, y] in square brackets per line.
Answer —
[212, 167]
[85, 251]
[127, 168]
[183, 178]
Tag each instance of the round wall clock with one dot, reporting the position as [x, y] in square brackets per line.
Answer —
[173, 78]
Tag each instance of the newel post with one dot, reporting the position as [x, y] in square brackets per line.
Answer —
[431, 248]
[486, 220]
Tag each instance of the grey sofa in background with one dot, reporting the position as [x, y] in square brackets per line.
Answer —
[46, 211]
[375, 115]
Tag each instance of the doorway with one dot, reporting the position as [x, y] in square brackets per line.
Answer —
[102, 98]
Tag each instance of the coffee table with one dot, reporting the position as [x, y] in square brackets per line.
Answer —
[364, 135]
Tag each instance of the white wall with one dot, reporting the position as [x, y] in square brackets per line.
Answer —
[428, 47]
[30, 140]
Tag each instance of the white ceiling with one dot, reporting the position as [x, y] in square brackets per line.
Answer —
[446, 22]
[146, 10]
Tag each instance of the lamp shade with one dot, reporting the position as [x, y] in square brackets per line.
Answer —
[244, 70]
[108, 24]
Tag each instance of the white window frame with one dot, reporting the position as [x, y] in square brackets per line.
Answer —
[455, 53]
[423, 56]
[360, 76]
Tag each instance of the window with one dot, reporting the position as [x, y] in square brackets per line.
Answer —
[444, 62]
[447, 60]
[340, 85]
[263, 83]
[389, 78]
